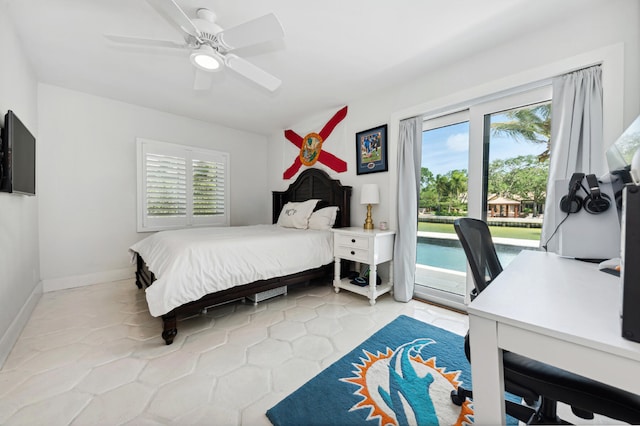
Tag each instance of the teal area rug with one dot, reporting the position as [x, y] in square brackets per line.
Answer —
[401, 375]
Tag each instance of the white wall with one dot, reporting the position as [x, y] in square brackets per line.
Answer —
[608, 26]
[87, 180]
[19, 263]
[77, 229]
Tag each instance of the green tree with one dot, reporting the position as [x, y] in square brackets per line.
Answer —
[449, 188]
[523, 177]
[457, 182]
[428, 194]
[429, 199]
[443, 192]
[532, 124]
[426, 177]
[497, 172]
[528, 179]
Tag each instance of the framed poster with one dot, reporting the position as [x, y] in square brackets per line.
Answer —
[371, 150]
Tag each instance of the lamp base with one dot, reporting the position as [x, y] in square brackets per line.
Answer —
[368, 223]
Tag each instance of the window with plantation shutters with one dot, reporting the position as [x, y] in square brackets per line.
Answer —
[166, 185]
[208, 187]
[180, 186]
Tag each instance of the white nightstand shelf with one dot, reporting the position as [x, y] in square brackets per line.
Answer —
[363, 246]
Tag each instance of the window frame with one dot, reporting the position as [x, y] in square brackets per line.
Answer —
[189, 154]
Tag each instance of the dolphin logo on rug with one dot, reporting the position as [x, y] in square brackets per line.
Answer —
[402, 375]
[405, 386]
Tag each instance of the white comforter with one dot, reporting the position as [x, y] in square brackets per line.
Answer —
[191, 263]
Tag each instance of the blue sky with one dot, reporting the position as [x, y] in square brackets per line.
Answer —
[447, 148]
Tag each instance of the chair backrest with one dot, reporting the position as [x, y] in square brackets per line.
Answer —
[476, 241]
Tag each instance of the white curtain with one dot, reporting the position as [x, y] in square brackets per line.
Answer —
[576, 137]
[409, 162]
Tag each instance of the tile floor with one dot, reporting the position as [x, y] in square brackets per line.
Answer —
[94, 355]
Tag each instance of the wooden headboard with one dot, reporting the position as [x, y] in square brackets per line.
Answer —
[316, 183]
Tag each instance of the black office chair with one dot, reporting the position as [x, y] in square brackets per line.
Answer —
[536, 382]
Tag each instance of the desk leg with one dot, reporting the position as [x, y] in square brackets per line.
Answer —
[486, 372]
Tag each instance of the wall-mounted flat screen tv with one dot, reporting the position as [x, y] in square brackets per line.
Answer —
[18, 157]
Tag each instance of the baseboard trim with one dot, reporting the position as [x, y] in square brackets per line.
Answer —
[88, 279]
[10, 337]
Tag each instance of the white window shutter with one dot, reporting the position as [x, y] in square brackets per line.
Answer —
[210, 189]
[166, 188]
[181, 186]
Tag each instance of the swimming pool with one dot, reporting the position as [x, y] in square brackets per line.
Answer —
[448, 253]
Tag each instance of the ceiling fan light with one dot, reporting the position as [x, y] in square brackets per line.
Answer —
[206, 59]
[206, 62]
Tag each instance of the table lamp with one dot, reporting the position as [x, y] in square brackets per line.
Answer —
[370, 194]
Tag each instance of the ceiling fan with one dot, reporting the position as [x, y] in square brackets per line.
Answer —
[211, 46]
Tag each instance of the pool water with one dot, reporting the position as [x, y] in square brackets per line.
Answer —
[448, 254]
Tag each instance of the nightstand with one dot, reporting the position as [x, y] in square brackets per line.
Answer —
[372, 247]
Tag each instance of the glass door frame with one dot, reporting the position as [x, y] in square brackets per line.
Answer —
[479, 133]
[422, 291]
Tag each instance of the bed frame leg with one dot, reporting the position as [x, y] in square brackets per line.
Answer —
[139, 270]
[169, 325]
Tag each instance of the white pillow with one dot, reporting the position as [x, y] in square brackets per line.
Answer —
[323, 218]
[296, 215]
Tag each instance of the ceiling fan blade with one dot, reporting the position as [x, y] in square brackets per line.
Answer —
[252, 72]
[145, 42]
[258, 30]
[173, 13]
[203, 80]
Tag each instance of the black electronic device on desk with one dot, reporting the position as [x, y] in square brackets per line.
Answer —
[623, 158]
[610, 266]
[630, 262]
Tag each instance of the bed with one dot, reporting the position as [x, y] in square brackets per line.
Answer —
[310, 184]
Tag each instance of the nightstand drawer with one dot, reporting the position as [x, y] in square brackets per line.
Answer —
[352, 253]
[352, 241]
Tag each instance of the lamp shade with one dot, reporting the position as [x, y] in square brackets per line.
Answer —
[370, 194]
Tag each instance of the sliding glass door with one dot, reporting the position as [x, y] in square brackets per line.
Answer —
[489, 161]
[440, 264]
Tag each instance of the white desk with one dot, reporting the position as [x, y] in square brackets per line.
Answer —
[556, 310]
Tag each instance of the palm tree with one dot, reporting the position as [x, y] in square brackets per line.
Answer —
[531, 124]
[457, 182]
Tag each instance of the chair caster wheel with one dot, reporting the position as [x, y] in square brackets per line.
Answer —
[456, 399]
